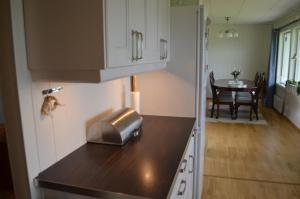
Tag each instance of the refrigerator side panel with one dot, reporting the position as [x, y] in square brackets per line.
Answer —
[200, 98]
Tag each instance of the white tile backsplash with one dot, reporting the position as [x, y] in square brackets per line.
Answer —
[64, 131]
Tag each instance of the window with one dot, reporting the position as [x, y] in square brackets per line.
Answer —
[288, 63]
[284, 57]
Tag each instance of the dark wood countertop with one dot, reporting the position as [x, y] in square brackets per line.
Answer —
[143, 168]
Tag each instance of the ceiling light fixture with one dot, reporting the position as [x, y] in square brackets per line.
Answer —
[228, 32]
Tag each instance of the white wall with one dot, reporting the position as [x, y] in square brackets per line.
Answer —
[292, 103]
[249, 52]
[172, 91]
[64, 132]
[292, 107]
[49, 139]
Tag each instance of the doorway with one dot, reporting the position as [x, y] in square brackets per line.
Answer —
[6, 184]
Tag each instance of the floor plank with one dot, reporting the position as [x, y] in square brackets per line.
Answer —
[221, 188]
[252, 156]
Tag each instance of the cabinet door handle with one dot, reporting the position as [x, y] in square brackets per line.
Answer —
[183, 168]
[134, 45]
[137, 45]
[193, 162]
[140, 45]
[182, 188]
[166, 49]
[161, 49]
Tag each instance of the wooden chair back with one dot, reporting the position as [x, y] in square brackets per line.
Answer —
[257, 91]
[264, 86]
[256, 78]
[212, 85]
[211, 78]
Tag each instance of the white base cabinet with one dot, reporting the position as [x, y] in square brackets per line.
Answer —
[183, 184]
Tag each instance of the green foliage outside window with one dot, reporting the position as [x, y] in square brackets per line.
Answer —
[294, 83]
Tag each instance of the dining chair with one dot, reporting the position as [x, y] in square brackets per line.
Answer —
[263, 89]
[251, 99]
[256, 78]
[224, 92]
[220, 97]
[246, 94]
[262, 93]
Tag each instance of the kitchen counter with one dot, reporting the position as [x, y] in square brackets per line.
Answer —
[143, 168]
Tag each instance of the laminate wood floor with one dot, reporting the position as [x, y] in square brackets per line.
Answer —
[252, 161]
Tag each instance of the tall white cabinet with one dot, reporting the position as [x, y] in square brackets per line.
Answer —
[201, 88]
[96, 40]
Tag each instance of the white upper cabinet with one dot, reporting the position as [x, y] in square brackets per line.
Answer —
[151, 42]
[137, 29]
[95, 40]
[118, 45]
[125, 32]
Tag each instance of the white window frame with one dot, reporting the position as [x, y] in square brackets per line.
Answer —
[294, 67]
[297, 57]
[280, 56]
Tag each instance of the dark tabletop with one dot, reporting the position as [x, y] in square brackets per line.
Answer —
[144, 167]
[223, 84]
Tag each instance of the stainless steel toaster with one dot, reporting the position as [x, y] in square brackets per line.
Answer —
[115, 129]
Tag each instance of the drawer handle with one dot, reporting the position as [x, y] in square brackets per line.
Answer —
[184, 162]
[182, 188]
[194, 132]
[193, 162]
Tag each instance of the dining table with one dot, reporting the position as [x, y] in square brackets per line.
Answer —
[242, 85]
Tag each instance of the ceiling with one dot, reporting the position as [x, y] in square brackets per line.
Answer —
[251, 11]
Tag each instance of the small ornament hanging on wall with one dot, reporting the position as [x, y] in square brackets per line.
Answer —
[50, 102]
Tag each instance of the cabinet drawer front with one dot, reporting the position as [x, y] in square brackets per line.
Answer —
[180, 188]
[184, 182]
[191, 169]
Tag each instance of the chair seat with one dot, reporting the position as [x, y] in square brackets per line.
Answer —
[243, 94]
[225, 99]
[243, 97]
[243, 100]
[226, 93]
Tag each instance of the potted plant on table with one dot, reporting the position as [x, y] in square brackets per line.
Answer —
[236, 74]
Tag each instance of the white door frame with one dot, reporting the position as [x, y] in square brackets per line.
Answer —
[17, 97]
[13, 125]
